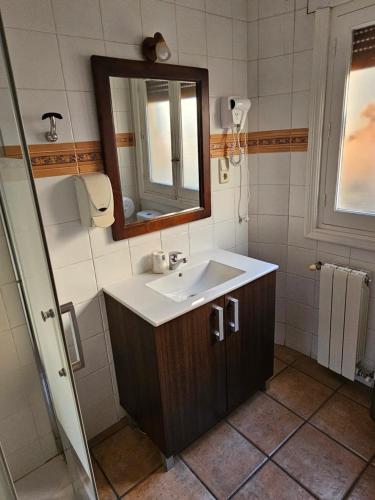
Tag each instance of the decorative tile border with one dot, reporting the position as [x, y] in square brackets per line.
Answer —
[82, 157]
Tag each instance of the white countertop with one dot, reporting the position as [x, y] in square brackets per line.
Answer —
[158, 309]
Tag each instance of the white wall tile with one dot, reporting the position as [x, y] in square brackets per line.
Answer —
[299, 289]
[123, 50]
[297, 201]
[6, 268]
[240, 79]
[298, 340]
[276, 35]
[68, 243]
[274, 7]
[224, 233]
[220, 71]
[178, 241]
[252, 41]
[303, 31]
[78, 18]
[239, 9]
[275, 75]
[193, 4]
[300, 109]
[159, 16]
[75, 57]
[276, 254]
[191, 31]
[219, 36]
[12, 303]
[57, 199]
[252, 81]
[21, 338]
[84, 116]
[298, 169]
[220, 7]
[122, 21]
[36, 15]
[95, 355]
[274, 168]
[296, 236]
[275, 112]
[76, 283]
[4, 323]
[302, 67]
[141, 255]
[30, 70]
[223, 205]
[273, 199]
[9, 359]
[201, 239]
[299, 260]
[239, 40]
[252, 10]
[273, 229]
[113, 267]
[102, 242]
[300, 316]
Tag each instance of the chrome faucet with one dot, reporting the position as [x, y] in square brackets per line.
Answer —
[174, 261]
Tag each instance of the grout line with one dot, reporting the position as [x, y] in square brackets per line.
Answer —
[104, 474]
[195, 474]
[140, 482]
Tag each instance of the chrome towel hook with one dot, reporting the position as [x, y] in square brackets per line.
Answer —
[51, 136]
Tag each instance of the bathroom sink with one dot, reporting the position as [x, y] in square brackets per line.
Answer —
[192, 281]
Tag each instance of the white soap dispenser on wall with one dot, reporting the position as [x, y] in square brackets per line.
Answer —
[95, 199]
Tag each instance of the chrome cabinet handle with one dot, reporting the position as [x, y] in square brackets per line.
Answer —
[219, 313]
[235, 324]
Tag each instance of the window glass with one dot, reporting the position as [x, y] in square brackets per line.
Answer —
[189, 127]
[159, 132]
[356, 178]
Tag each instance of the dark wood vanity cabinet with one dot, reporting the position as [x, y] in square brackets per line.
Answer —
[179, 379]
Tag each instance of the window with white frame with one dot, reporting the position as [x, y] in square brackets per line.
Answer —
[166, 129]
[341, 196]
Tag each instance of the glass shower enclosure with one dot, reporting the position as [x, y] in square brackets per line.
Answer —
[26, 240]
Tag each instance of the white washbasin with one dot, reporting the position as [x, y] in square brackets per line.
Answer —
[189, 283]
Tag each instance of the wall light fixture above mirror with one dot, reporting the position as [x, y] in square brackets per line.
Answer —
[154, 125]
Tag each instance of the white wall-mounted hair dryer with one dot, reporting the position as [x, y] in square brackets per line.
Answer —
[233, 116]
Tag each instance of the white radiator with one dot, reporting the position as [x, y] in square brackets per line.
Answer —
[343, 308]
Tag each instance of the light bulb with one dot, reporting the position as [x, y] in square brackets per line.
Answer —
[162, 51]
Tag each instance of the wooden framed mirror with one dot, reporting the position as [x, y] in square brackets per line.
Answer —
[154, 126]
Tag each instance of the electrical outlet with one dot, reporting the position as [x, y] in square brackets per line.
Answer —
[223, 170]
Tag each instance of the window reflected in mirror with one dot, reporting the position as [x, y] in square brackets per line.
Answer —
[356, 180]
[156, 124]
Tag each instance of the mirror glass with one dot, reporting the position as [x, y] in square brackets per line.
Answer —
[156, 124]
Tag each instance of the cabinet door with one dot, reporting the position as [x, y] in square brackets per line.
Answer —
[250, 348]
[191, 363]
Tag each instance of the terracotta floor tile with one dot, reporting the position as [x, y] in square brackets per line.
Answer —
[318, 372]
[298, 391]
[286, 354]
[127, 457]
[278, 366]
[349, 423]
[319, 463]
[223, 459]
[365, 488]
[265, 422]
[104, 488]
[358, 392]
[271, 483]
[179, 482]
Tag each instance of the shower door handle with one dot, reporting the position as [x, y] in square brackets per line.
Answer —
[69, 308]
